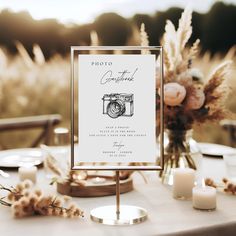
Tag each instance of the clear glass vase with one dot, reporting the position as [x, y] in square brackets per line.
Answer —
[181, 150]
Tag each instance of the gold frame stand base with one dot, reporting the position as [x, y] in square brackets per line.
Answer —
[128, 215]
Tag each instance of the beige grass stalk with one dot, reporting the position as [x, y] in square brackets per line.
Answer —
[217, 78]
[185, 29]
[169, 42]
[24, 54]
[94, 41]
[38, 55]
[3, 60]
[194, 50]
[144, 39]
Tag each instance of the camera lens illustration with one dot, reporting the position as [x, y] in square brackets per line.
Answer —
[118, 104]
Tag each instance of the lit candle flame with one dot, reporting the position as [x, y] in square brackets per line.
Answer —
[203, 183]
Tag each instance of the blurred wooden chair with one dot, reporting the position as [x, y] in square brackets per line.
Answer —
[45, 122]
[230, 127]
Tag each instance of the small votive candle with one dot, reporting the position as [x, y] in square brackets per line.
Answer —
[27, 172]
[204, 197]
[183, 183]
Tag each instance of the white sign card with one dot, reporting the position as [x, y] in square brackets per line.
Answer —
[117, 108]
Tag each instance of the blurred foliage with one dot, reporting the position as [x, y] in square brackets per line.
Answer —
[34, 90]
[108, 26]
[43, 88]
[216, 29]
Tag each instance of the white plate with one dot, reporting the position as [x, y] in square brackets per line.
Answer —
[215, 150]
[14, 158]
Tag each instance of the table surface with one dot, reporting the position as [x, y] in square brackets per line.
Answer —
[166, 216]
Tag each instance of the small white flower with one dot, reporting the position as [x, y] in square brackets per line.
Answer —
[197, 75]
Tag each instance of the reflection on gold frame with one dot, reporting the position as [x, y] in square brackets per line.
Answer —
[142, 166]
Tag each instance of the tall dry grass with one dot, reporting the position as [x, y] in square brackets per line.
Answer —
[32, 87]
[35, 86]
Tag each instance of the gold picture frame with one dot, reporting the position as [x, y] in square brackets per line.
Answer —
[76, 50]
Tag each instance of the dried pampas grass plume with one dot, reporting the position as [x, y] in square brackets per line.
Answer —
[185, 29]
[194, 50]
[3, 60]
[215, 81]
[144, 39]
[231, 53]
[174, 42]
[38, 55]
[94, 38]
[94, 41]
[169, 41]
[24, 54]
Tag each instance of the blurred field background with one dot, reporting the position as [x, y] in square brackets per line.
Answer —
[35, 65]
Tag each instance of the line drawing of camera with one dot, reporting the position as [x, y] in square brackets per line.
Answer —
[118, 104]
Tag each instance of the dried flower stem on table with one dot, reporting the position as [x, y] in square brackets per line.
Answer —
[228, 186]
[25, 201]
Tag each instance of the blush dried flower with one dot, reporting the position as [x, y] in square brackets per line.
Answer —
[174, 94]
[196, 99]
[27, 183]
[38, 192]
[228, 187]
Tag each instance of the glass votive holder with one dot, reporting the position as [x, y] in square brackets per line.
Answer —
[230, 164]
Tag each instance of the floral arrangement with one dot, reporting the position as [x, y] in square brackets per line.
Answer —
[187, 98]
[24, 200]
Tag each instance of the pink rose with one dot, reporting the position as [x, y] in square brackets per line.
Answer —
[196, 99]
[174, 94]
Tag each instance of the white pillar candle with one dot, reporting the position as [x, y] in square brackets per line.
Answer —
[183, 183]
[204, 197]
[27, 172]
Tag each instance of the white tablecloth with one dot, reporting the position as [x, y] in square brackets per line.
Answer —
[166, 216]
